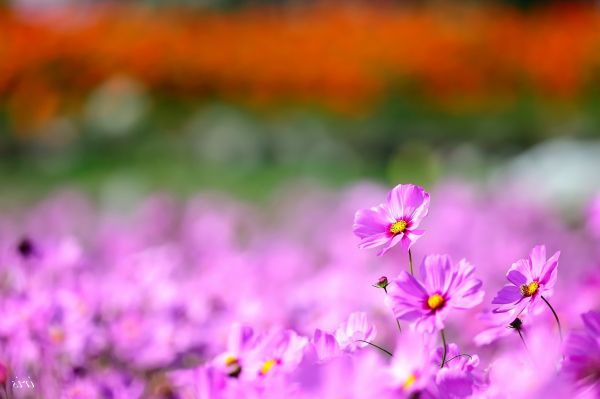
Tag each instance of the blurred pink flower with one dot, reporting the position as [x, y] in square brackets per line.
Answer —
[445, 286]
[582, 353]
[412, 371]
[356, 328]
[325, 345]
[394, 222]
[529, 280]
[459, 377]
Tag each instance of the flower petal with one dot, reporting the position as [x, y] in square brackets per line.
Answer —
[508, 294]
[591, 320]
[516, 277]
[550, 271]
[406, 297]
[409, 201]
[537, 257]
[435, 269]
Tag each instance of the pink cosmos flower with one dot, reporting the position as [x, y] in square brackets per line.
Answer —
[529, 280]
[444, 286]
[582, 354]
[394, 222]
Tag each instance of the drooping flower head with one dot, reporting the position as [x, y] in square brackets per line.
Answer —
[582, 353]
[395, 221]
[443, 286]
[529, 280]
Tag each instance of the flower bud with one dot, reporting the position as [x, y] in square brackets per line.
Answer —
[382, 282]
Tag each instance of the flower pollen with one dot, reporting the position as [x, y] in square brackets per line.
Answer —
[268, 365]
[530, 289]
[409, 382]
[234, 367]
[398, 227]
[435, 301]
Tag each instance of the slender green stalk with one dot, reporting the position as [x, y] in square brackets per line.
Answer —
[397, 321]
[445, 348]
[410, 261]
[376, 346]
[555, 317]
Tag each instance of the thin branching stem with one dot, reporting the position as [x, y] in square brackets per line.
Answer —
[555, 317]
[410, 263]
[376, 346]
[459, 355]
[397, 321]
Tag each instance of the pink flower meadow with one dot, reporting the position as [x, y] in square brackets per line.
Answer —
[213, 299]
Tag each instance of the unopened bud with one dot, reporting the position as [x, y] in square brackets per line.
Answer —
[382, 282]
[517, 324]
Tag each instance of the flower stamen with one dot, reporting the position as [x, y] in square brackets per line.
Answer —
[435, 301]
[268, 365]
[398, 227]
[530, 289]
[409, 382]
[234, 367]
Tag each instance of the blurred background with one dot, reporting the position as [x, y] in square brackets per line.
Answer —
[130, 97]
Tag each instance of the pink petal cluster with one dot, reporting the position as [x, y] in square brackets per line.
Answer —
[395, 221]
[443, 287]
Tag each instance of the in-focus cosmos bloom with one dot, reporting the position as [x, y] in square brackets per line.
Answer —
[529, 280]
[582, 354]
[394, 222]
[444, 286]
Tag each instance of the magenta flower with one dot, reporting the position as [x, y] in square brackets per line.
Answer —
[445, 286]
[394, 222]
[529, 280]
[582, 353]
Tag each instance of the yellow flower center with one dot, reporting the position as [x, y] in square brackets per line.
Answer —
[267, 366]
[435, 301]
[409, 382]
[233, 366]
[529, 289]
[398, 227]
[230, 360]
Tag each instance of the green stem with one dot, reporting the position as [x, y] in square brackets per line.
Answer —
[410, 262]
[397, 321]
[555, 317]
[376, 346]
[445, 348]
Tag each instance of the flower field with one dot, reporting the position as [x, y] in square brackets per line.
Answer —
[213, 298]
